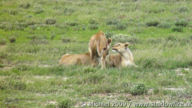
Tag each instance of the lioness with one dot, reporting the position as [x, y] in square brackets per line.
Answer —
[99, 48]
[124, 57]
[76, 59]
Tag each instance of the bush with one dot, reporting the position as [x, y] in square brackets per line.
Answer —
[121, 26]
[93, 27]
[124, 38]
[112, 22]
[25, 5]
[92, 21]
[182, 23]
[93, 79]
[67, 103]
[152, 23]
[89, 69]
[151, 63]
[183, 9]
[12, 39]
[2, 41]
[164, 25]
[138, 89]
[66, 40]
[72, 23]
[50, 21]
[177, 29]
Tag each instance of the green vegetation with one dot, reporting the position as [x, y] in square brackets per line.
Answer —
[35, 34]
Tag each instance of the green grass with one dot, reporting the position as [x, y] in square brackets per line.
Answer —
[35, 34]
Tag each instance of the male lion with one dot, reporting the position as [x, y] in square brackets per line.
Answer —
[76, 59]
[99, 48]
[124, 57]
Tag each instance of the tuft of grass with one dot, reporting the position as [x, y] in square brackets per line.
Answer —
[177, 29]
[121, 26]
[164, 25]
[112, 22]
[138, 89]
[25, 5]
[12, 39]
[2, 41]
[50, 21]
[93, 27]
[66, 103]
[182, 23]
[152, 23]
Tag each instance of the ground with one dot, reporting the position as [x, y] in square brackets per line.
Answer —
[34, 34]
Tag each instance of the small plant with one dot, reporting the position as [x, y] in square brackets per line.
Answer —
[92, 21]
[151, 63]
[112, 22]
[108, 34]
[182, 23]
[177, 29]
[67, 103]
[50, 21]
[93, 27]
[164, 25]
[121, 26]
[68, 11]
[138, 89]
[152, 23]
[25, 5]
[66, 40]
[2, 41]
[89, 69]
[72, 23]
[12, 39]
[183, 9]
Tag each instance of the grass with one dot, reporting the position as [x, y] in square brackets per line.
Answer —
[35, 34]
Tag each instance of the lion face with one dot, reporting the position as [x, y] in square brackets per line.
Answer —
[120, 47]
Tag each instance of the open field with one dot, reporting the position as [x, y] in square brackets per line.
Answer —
[34, 34]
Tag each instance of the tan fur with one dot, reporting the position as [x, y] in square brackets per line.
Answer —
[124, 57]
[99, 48]
[76, 59]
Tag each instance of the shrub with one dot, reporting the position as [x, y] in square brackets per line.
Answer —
[183, 9]
[92, 21]
[151, 63]
[93, 79]
[121, 26]
[93, 27]
[109, 34]
[72, 23]
[89, 69]
[177, 29]
[67, 103]
[124, 38]
[25, 5]
[66, 40]
[164, 25]
[138, 89]
[182, 23]
[152, 23]
[112, 22]
[12, 39]
[68, 11]
[50, 21]
[2, 41]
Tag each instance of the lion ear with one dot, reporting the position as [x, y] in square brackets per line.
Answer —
[127, 44]
[109, 40]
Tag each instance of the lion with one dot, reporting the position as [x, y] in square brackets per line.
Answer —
[124, 58]
[98, 48]
[76, 59]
